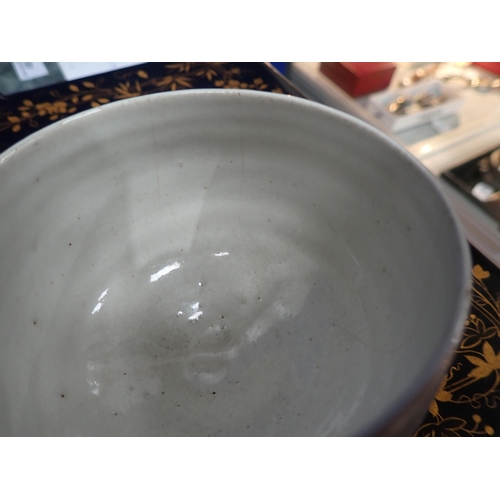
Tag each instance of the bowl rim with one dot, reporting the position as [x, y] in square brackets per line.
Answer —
[429, 375]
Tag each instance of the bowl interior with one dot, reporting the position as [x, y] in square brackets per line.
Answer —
[219, 263]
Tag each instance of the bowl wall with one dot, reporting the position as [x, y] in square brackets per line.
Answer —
[222, 263]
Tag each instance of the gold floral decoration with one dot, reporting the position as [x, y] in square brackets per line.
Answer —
[135, 82]
[29, 111]
[125, 90]
[476, 367]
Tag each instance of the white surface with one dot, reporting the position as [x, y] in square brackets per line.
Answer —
[236, 268]
[29, 70]
[482, 191]
[76, 70]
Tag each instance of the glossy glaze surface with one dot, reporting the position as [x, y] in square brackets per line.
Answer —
[220, 263]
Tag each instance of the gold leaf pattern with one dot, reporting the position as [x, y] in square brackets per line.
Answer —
[181, 67]
[434, 409]
[479, 273]
[125, 90]
[479, 372]
[484, 367]
[130, 83]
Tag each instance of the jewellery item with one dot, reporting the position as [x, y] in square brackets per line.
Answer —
[405, 106]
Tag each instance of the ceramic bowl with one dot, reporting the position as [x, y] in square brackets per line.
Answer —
[223, 262]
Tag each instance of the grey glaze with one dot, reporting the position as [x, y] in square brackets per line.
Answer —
[222, 263]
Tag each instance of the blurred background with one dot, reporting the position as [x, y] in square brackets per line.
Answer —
[447, 114]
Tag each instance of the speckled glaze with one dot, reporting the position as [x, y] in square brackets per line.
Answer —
[222, 263]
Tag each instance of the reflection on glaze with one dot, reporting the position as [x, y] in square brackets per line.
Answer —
[195, 307]
[212, 377]
[163, 272]
[335, 419]
[98, 306]
[79, 116]
[192, 327]
[209, 368]
[93, 383]
[7, 156]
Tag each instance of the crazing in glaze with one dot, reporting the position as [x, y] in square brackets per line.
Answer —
[230, 270]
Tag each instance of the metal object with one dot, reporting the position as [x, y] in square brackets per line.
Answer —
[419, 74]
[477, 83]
[408, 105]
[464, 80]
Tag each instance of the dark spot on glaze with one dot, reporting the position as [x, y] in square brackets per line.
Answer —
[214, 393]
[62, 395]
[34, 322]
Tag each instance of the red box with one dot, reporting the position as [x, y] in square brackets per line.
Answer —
[494, 67]
[359, 78]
